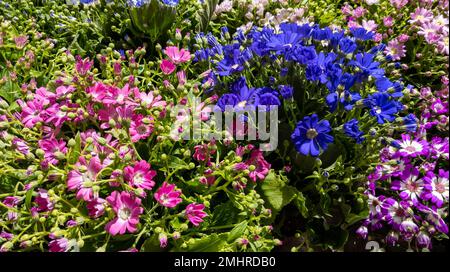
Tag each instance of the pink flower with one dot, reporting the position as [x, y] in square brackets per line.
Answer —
[167, 67]
[162, 240]
[176, 55]
[399, 3]
[140, 175]
[43, 201]
[430, 32]
[388, 21]
[83, 65]
[140, 130]
[395, 49]
[96, 207]
[55, 115]
[149, 100]
[201, 152]
[421, 16]
[116, 95]
[359, 12]
[128, 209]
[195, 213]
[168, 196]
[369, 25]
[31, 112]
[261, 166]
[51, 147]
[97, 92]
[82, 179]
[59, 245]
[20, 41]
[181, 75]
[439, 107]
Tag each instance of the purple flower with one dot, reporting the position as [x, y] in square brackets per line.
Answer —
[311, 136]
[423, 240]
[412, 148]
[408, 229]
[362, 232]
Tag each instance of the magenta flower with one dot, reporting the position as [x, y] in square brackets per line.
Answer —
[128, 209]
[11, 201]
[96, 207]
[201, 152]
[195, 213]
[117, 96]
[82, 180]
[31, 112]
[98, 91]
[167, 195]
[138, 129]
[43, 201]
[51, 147]
[140, 175]
[438, 187]
[55, 115]
[59, 245]
[149, 100]
[261, 166]
[167, 67]
[176, 55]
[83, 65]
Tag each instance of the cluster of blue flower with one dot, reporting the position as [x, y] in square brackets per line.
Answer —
[337, 61]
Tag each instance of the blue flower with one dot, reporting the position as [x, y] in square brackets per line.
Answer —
[383, 84]
[347, 45]
[171, 2]
[368, 67]
[304, 54]
[286, 91]
[410, 122]
[382, 107]
[361, 33]
[351, 128]
[311, 136]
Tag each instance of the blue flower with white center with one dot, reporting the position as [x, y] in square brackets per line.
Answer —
[382, 107]
[311, 136]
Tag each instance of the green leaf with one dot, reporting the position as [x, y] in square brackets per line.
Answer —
[224, 214]
[28, 197]
[353, 218]
[237, 231]
[10, 91]
[300, 203]
[151, 244]
[276, 193]
[210, 243]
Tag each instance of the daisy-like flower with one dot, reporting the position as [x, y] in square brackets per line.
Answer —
[430, 31]
[59, 245]
[128, 209]
[311, 135]
[167, 67]
[195, 214]
[437, 187]
[395, 49]
[412, 148]
[53, 148]
[43, 201]
[81, 178]
[31, 112]
[421, 16]
[139, 129]
[96, 207]
[167, 195]
[395, 212]
[21, 146]
[149, 100]
[117, 96]
[177, 55]
[258, 166]
[140, 175]
[410, 185]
